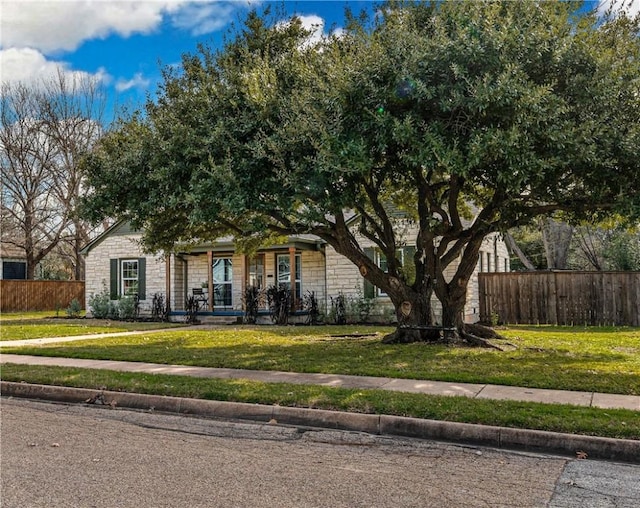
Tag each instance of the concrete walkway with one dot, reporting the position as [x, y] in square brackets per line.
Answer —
[476, 391]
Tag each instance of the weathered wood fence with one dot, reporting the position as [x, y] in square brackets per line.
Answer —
[563, 298]
[29, 295]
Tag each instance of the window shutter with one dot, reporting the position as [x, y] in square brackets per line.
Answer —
[142, 278]
[113, 278]
[369, 290]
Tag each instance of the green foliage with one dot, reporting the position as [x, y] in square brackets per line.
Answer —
[101, 305]
[601, 359]
[615, 423]
[127, 307]
[469, 117]
[623, 252]
[74, 309]
[359, 307]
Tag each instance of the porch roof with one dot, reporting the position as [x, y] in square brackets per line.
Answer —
[226, 244]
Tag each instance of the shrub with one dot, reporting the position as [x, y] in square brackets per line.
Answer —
[252, 299]
[159, 308]
[74, 309]
[339, 309]
[191, 307]
[310, 305]
[101, 305]
[360, 307]
[127, 307]
[279, 301]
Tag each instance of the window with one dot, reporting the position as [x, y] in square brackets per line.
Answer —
[129, 277]
[381, 261]
[284, 272]
[405, 256]
[222, 282]
[14, 270]
[255, 271]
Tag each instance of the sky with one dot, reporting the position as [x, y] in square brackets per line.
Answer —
[124, 44]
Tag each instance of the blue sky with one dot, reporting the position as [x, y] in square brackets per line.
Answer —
[124, 43]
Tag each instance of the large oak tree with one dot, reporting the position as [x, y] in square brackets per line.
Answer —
[470, 117]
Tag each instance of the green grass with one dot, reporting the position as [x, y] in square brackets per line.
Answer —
[41, 325]
[614, 423]
[12, 316]
[569, 358]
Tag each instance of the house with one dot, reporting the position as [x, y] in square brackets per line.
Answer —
[13, 262]
[217, 275]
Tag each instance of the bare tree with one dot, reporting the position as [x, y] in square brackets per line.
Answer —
[556, 238]
[46, 127]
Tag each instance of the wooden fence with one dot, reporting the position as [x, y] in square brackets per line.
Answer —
[563, 298]
[31, 295]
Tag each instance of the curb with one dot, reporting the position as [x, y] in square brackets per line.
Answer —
[621, 450]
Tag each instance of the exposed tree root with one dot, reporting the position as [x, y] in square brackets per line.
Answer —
[470, 335]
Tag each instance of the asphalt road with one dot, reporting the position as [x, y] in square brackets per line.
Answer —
[58, 455]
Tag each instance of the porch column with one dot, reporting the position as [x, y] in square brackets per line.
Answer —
[210, 278]
[292, 276]
[167, 280]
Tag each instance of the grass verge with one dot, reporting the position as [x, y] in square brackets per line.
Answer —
[614, 423]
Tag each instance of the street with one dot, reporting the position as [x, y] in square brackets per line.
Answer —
[58, 455]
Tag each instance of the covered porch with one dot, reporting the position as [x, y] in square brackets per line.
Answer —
[216, 276]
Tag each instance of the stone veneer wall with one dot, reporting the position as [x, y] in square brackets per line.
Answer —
[115, 246]
[344, 277]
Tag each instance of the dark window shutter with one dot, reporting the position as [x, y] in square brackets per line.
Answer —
[369, 290]
[113, 277]
[142, 278]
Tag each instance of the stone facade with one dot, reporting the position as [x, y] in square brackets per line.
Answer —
[323, 272]
[344, 277]
[122, 244]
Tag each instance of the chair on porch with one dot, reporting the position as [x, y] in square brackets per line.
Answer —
[202, 296]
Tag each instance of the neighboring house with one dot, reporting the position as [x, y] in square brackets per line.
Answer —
[218, 275]
[13, 262]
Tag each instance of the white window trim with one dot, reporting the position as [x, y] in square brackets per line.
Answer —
[223, 283]
[298, 261]
[123, 291]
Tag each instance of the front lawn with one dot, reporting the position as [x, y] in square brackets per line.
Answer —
[18, 326]
[568, 358]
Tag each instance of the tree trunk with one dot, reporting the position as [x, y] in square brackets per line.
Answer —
[415, 319]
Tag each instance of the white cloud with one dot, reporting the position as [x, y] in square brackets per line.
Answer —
[53, 25]
[30, 66]
[315, 26]
[35, 33]
[631, 7]
[203, 18]
[138, 81]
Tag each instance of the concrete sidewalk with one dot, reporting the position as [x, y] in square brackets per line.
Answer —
[476, 391]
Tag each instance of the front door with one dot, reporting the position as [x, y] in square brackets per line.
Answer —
[222, 282]
[256, 273]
